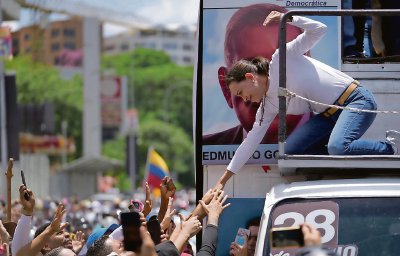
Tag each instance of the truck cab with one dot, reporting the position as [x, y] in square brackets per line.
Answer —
[354, 216]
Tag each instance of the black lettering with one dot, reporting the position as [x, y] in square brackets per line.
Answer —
[276, 154]
[268, 154]
[222, 155]
[206, 156]
[256, 154]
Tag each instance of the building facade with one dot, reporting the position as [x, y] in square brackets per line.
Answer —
[178, 42]
[48, 44]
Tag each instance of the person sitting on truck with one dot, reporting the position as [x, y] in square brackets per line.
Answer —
[256, 80]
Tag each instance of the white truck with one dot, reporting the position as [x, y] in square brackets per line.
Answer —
[352, 200]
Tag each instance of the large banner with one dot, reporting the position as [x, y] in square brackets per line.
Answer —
[232, 30]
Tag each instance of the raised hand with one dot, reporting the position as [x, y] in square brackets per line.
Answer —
[167, 188]
[4, 240]
[237, 250]
[191, 226]
[208, 196]
[148, 247]
[56, 225]
[4, 236]
[148, 205]
[78, 241]
[27, 205]
[215, 207]
[272, 17]
[312, 237]
[168, 214]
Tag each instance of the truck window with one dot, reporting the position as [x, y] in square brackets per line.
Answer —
[349, 226]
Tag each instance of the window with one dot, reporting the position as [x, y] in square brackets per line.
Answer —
[124, 47]
[70, 46]
[187, 47]
[27, 49]
[361, 226]
[170, 46]
[55, 47]
[27, 37]
[69, 32]
[55, 32]
[148, 32]
[187, 59]
[109, 48]
[149, 45]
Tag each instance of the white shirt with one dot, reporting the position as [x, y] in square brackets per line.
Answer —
[21, 234]
[305, 76]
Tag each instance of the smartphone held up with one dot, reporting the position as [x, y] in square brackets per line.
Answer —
[26, 194]
[130, 222]
[241, 236]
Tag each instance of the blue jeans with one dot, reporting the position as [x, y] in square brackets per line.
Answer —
[339, 134]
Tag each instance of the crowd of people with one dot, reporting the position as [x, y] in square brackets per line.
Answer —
[56, 236]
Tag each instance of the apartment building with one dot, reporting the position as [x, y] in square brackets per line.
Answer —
[178, 42]
[45, 44]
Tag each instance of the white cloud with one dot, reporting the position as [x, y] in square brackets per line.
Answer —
[171, 11]
[110, 29]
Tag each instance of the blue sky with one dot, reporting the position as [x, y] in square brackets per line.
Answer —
[183, 12]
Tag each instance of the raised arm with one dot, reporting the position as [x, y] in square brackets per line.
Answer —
[313, 32]
[37, 244]
[21, 234]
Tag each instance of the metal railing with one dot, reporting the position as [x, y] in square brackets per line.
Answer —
[282, 56]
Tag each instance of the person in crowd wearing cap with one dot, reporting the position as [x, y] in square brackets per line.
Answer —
[256, 80]
[99, 233]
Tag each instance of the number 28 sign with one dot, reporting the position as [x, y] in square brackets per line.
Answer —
[322, 215]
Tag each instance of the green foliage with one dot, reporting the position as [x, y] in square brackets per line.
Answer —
[38, 83]
[172, 143]
[157, 84]
[163, 96]
[115, 148]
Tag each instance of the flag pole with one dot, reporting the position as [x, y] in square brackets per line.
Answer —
[146, 176]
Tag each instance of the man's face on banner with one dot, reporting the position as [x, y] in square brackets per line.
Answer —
[250, 42]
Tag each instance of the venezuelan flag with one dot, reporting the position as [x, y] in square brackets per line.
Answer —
[157, 169]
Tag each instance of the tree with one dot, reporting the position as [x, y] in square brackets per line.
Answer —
[156, 82]
[38, 83]
[172, 143]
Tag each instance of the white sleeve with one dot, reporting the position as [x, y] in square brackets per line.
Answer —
[117, 234]
[21, 234]
[253, 139]
[313, 32]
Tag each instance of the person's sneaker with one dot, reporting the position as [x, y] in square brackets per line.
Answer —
[393, 137]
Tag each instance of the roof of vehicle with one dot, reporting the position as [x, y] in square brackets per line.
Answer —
[365, 187]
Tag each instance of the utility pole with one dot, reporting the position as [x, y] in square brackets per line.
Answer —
[91, 91]
[3, 125]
